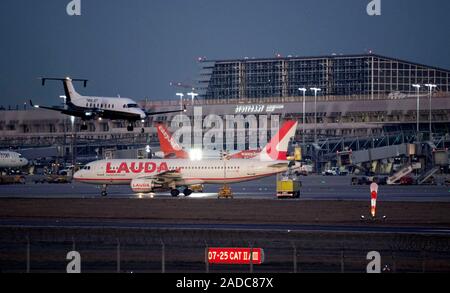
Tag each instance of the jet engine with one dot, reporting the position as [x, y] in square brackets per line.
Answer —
[143, 185]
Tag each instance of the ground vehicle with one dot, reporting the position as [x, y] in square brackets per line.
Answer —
[12, 179]
[367, 180]
[288, 188]
[197, 188]
[406, 180]
[430, 181]
[447, 182]
[288, 185]
[66, 172]
[225, 192]
[331, 172]
[56, 179]
[335, 171]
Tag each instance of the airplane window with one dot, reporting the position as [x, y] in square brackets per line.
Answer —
[124, 106]
[87, 104]
[113, 106]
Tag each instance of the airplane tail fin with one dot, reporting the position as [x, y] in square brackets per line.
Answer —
[277, 148]
[69, 90]
[168, 145]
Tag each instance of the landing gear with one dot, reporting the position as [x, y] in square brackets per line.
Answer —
[187, 192]
[174, 192]
[84, 126]
[104, 192]
[130, 127]
[142, 130]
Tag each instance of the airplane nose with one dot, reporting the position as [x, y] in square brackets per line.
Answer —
[77, 175]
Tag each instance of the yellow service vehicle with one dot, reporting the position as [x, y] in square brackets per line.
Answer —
[225, 192]
[197, 188]
[12, 179]
[288, 186]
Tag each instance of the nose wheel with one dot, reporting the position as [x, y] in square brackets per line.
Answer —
[104, 192]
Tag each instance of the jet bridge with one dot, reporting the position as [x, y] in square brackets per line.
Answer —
[379, 153]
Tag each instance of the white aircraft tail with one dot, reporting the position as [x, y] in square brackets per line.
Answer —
[277, 148]
[69, 89]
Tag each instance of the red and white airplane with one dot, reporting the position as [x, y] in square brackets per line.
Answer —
[147, 176]
[170, 149]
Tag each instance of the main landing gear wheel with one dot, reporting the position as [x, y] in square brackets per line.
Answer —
[83, 127]
[104, 193]
[130, 127]
[187, 192]
[175, 192]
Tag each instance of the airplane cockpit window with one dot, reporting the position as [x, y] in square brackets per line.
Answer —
[132, 106]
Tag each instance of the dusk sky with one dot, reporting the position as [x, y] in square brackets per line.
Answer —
[135, 48]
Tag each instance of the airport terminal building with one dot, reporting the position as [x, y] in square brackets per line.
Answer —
[358, 76]
[365, 101]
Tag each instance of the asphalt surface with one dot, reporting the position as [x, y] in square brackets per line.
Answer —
[314, 188]
[288, 228]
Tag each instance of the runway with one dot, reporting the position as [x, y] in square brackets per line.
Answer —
[314, 188]
[286, 228]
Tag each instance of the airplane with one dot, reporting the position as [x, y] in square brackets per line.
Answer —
[90, 108]
[171, 149]
[146, 176]
[12, 160]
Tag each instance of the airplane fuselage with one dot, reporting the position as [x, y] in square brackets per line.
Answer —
[122, 172]
[12, 160]
[108, 108]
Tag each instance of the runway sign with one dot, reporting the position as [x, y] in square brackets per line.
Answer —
[235, 256]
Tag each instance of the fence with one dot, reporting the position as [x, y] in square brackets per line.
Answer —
[172, 250]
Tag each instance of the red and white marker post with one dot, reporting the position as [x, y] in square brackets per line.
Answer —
[373, 199]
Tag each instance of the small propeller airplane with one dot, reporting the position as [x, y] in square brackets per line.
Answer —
[92, 108]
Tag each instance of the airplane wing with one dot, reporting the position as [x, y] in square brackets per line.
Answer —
[71, 112]
[165, 112]
[279, 165]
[165, 177]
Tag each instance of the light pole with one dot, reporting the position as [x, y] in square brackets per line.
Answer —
[304, 114]
[181, 95]
[193, 95]
[430, 87]
[417, 86]
[315, 90]
[74, 138]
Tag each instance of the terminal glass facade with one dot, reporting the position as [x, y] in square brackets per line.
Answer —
[369, 75]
